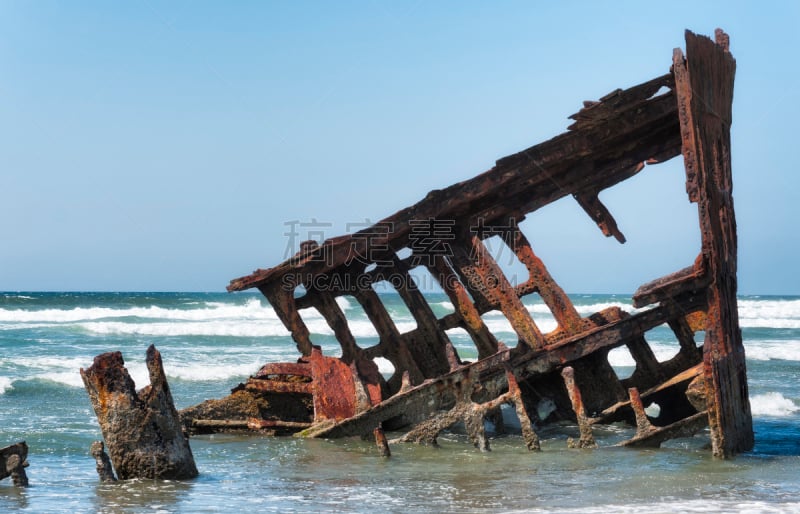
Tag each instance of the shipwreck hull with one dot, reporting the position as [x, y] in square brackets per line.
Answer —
[624, 133]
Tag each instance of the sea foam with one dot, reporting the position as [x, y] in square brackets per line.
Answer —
[773, 350]
[772, 404]
[252, 309]
[219, 328]
[769, 313]
[5, 384]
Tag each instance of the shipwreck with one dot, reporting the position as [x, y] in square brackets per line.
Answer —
[684, 113]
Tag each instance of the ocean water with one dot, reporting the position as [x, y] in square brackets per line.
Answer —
[210, 342]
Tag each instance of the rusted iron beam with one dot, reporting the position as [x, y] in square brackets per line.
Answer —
[609, 336]
[250, 424]
[428, 343]
[683, 428]
[564, 312]
[586, 439]
[529, 435]
[597, 112]
[282, 300]
[417, 402]
[650, 436]
[648, 370]
[643, 425]
[691, 279]
[279, 386]
[220, 423]
[392, 345]
[600, 214]
[683, 331]
[485, 342]
[682, 380]
[258, 424]
[477, 268]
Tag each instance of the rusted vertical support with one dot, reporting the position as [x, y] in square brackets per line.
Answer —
[528, 433]
[381, 442]
[431, 343]
[461, 262]
[336, 319]
[485, 342]
[495, 417]
[586, 437]
[648, 371]
[643, 425]
[704, 88]
[680, 327]
[392, 343]
[368, 385]
[473, 423]
[480, 270]
[282, 300]
[600, 213]
[553, 296]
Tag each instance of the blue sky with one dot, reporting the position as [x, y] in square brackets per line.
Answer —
[165, 145]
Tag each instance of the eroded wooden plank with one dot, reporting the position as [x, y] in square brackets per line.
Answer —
[704, 85]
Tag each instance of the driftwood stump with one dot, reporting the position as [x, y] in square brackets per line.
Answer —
[142, 430]
[13, 461]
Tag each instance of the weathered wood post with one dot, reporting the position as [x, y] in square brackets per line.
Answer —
[704, 88]
[142, 431]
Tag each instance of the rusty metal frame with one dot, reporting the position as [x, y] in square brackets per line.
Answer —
[611, 140]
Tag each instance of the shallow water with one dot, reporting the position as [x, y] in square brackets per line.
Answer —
[212, 342]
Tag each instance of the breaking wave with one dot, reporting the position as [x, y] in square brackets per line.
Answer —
[230, 328]
[772, 404]
[773, 350]
[191, 368]
[5, 384]
[252, 309]
[769, 313]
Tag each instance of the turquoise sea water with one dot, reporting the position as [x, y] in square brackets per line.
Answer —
[210, 342]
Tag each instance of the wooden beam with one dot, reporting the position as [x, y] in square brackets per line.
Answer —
[704, 87]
